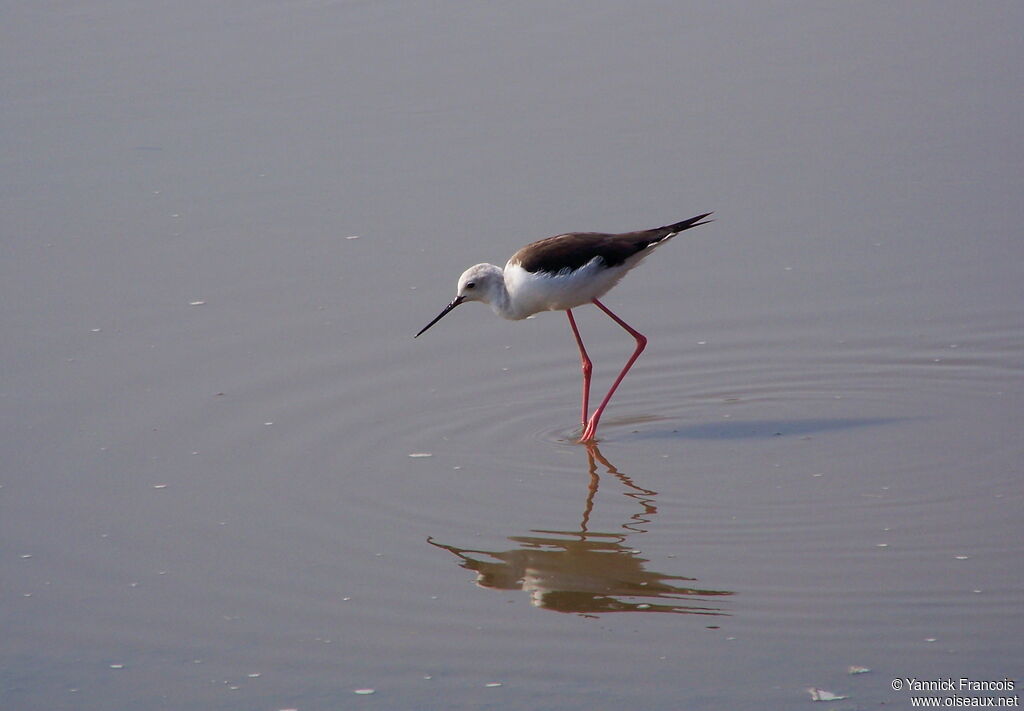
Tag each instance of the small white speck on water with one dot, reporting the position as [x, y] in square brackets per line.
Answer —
[961, 557]
[117, 666]
[702, 343]
[196, 303]
[159, 486]
[930, 639]
[95, 330]
[976, 590]
[857, 669]
[881, 545]
[346, 599]
[364, 692]
[352, 237]
[420, 455]
[268, 424]
[788, 269]
[25, 556]
[254, 675]
[176, 214]
[643, 606]
[818, 474]
[492, 684]
[822, 695]
[427, 677]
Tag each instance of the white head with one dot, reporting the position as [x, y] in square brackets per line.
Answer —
[481, 282]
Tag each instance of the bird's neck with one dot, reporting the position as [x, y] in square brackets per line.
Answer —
[498, 296]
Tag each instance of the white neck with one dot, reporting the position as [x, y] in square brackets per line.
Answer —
[497, 294]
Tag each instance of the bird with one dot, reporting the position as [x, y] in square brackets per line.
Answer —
[561, 273]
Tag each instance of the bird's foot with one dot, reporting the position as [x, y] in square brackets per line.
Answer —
[589, 431]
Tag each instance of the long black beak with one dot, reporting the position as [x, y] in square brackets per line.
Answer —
[455, 302]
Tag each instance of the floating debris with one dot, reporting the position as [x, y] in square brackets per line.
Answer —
[159, 486]
[421, 455]
[364, 692]
[961, 557]
[196, 303]
[822, 695]
[117, 666]
[857, 669]
[492, 684]
[352, 237]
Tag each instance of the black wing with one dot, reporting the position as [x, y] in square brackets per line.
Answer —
[574, 249]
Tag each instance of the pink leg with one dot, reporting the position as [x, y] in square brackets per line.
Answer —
[584, 363]
[641, 341]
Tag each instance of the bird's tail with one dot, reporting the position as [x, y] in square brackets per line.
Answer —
[686, 224]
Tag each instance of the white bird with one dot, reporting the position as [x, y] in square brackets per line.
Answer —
[560, 273]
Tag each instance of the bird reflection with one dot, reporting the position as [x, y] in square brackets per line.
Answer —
[589, 572]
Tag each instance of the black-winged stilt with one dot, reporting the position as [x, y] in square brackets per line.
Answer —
[560, 273]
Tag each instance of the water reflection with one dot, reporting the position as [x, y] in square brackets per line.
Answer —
[589, 572]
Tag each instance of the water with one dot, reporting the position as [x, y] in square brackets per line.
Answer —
[212, 401]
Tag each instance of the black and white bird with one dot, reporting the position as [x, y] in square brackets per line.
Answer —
[560, 273]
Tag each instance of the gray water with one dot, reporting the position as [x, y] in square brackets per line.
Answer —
[223, 223]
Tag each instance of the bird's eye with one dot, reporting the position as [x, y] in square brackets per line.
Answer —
[470, 284]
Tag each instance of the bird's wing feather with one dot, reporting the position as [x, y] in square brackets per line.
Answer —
[574, 249]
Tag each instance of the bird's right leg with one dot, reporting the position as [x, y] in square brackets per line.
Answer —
[585, 364]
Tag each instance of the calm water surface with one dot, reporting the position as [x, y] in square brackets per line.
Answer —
[232, 480]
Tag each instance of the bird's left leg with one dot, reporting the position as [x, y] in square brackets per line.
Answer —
[585, 364]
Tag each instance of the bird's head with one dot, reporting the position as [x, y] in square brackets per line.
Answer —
[480, 282]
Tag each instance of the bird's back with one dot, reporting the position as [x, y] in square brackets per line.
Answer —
[572, 250]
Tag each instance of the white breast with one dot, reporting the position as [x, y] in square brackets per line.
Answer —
[530, 292]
